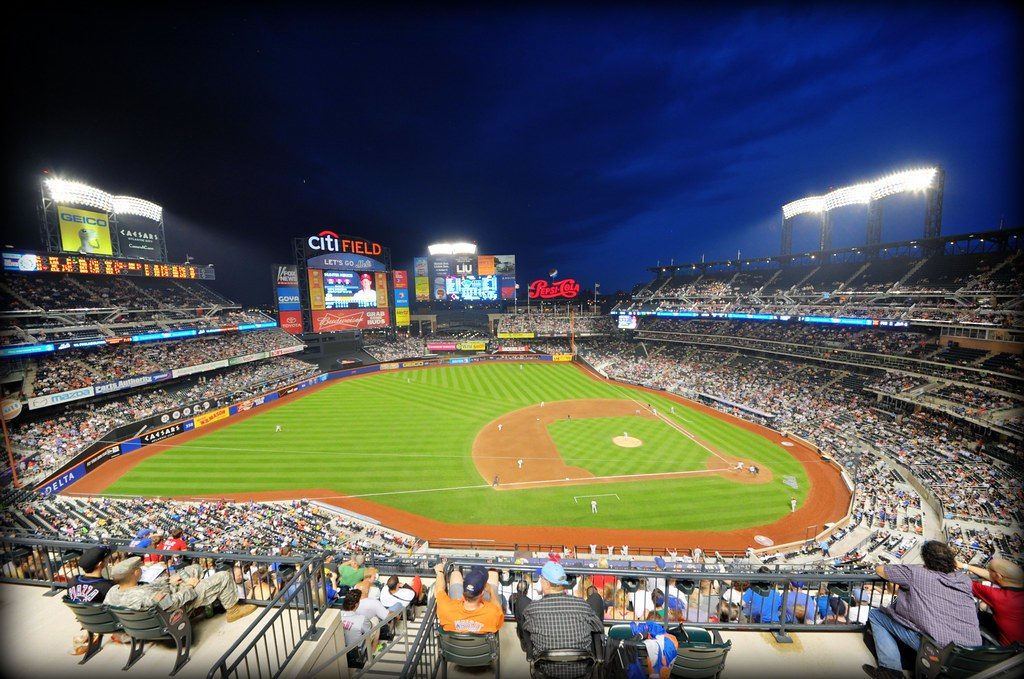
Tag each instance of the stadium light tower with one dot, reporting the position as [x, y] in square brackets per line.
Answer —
[930, 180]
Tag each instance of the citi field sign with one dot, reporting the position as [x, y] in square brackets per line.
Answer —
[567, 288]
[329, 241]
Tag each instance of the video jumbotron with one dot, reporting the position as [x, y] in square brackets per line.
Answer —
[623, 341]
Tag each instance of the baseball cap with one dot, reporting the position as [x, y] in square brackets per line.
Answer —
[474, 581]
[554, 573]
[659, 562]
[123, 568]
[92, 557]
[799, 584]
[143, 532]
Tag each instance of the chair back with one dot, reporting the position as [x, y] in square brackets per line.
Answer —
[701, 653]
[93, 617]
[149, 625]
[956, 662]
[468, 650]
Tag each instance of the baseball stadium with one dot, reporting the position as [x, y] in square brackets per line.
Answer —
[412, 461]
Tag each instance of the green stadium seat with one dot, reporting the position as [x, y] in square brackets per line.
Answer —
[155, 624]
[96, 620]
[958, 662]
[469, 650]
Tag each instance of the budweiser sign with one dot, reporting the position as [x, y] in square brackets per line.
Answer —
[567, 288]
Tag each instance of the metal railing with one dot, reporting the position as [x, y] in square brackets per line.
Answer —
[424, 658]
[275, 636]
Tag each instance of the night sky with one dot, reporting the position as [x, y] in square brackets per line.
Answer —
[595, 142]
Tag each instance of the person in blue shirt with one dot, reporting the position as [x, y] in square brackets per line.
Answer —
[762, 607]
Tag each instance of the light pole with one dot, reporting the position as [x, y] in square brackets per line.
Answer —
[596, 286]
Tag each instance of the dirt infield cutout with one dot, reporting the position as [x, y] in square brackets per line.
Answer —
[524, 436]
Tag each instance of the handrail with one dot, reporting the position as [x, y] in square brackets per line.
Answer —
[420, 646]
[375, 628]
[304, 583]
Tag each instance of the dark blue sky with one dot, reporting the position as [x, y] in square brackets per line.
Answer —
[597, 142]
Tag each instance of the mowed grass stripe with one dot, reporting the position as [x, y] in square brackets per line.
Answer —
[408, 431]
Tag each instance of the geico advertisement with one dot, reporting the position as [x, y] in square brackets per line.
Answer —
[84, 231]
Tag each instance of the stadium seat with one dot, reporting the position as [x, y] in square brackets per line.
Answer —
[155, 624]
[469, 650]
[958, 662]
[701, 653]
[591, 661]
[96, 620]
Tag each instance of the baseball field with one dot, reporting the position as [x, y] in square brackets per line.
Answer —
[514, 448]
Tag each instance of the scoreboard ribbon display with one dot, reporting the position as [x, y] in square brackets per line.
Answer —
[31, 262]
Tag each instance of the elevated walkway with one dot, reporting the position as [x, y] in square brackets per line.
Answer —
[38, 631]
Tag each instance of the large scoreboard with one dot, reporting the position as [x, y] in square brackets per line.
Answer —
[31, 262]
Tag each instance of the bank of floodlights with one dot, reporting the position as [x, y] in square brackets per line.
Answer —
[862, 194]
[451, 249]
[127, 205]
[76, 193]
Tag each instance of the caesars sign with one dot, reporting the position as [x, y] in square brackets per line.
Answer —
[567, 288]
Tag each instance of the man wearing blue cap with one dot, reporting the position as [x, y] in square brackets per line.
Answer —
[559, 620]
[468, 611]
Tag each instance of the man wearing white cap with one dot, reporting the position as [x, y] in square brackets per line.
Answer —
[559, 620]
[184, 588]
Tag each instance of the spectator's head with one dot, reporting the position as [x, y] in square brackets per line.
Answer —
[176, 532]
[392, 583]
[728, 612]
[938, 557]
[473, 584]
[93, 559]
[552, 578]
[351, 601]
[1005, 573]
[127, 572]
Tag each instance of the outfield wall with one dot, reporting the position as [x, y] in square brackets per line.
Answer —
[131, 437]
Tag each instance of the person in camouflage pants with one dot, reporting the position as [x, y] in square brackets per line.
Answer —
[186, 588]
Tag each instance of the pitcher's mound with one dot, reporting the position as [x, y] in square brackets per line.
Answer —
[627, 442]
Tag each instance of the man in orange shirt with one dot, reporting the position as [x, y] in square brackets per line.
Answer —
[471, 613]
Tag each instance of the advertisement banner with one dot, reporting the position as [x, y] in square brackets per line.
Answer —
[402, 319]
[139, 238]
[288, 298]
[211, 417]
[286, 350]
[567, 288]
[505, 265]
[126, 383]
[84, 231]
[561, 358]
[65, 479]
[515, 335]
[337, 320]
[472, 346]
[316, 289]
[508, 287]
[485, 265]
[60, 397]
[422, 289]
[464, 265]
[381, 280]
[401, 279]
[401, 297]
[291, 321]
[419, 266]
[237, 360]
[162, 433]
[202, 367]
[346, 262]
[287, 275]
[442, 346]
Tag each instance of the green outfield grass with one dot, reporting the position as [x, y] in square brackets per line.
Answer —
[404, 439]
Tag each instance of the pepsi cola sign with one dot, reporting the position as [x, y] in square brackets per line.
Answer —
[567, 288]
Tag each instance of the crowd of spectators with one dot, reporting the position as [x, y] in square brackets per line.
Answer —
[210, 525]
[55, 291]
[42, 445]
[385, 349]
[786, 395]
[552, 324]
[60, 372]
